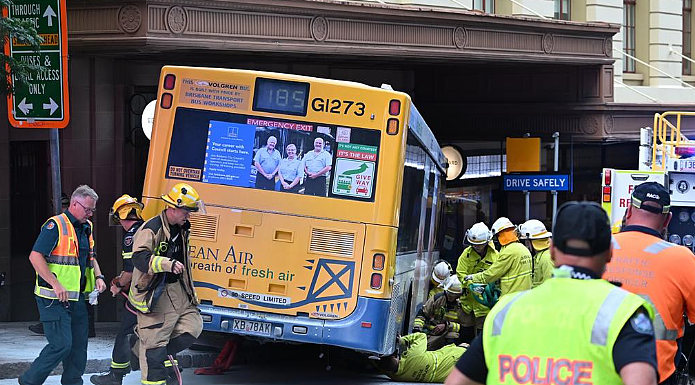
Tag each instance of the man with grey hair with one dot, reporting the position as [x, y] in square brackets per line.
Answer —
[66, 272]
[317, 164]
[267, 162]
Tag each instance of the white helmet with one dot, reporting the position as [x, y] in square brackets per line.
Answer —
[478, 234]
[441, 271]
[453, 285]
[502, 223]
[534, 229]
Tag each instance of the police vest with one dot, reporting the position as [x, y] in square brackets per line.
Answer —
[64, 262]
[560, 332]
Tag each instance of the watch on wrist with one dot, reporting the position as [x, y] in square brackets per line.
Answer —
[100, 277]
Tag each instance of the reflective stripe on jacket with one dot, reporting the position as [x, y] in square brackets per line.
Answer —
[64, 262]
[563, 329]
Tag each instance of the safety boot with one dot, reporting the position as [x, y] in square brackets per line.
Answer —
[112, 377]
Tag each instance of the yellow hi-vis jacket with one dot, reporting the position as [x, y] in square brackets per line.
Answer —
[420, 365]
[512, 268]
[563, 330]
[64, 262]
[543, 267]
[470, 262]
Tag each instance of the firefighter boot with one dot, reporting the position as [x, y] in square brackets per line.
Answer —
[112, 377]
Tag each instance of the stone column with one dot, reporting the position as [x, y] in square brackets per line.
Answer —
[666, 26]
[609, 11]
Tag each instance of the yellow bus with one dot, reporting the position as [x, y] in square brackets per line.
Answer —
[321, 199]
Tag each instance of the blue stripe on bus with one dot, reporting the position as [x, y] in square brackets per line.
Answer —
[347, 332]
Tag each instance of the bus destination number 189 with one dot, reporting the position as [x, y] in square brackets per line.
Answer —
[336, 106]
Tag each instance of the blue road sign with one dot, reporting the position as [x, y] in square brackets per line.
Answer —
[536, 182]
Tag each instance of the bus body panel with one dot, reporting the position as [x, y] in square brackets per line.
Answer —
[296, 267]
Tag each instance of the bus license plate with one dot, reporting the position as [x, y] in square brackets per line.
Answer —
[251, 326]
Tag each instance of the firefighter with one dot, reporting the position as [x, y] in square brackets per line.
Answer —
[513, 266]
[126, 212]
[576, 328]
[477, 257]
[441, 272]
[412, 361]
[66, 273]
[162, 287]
[441, 316]
[537, 238]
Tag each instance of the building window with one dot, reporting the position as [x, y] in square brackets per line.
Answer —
[485, 5]
[687, 36]
[562, 9]
[485, 166]
[629, 34]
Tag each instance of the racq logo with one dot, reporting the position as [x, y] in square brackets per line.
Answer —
[652, 195]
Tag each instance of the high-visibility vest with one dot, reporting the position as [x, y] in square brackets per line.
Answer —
[562, 330]
[64, 262]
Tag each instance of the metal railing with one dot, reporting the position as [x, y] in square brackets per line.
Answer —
[654, 68]
[667, 137]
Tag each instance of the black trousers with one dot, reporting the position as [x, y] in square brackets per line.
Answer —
[120, 357]
[264, 183]
[316, 186]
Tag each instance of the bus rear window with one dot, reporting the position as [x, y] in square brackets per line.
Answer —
[274, 154]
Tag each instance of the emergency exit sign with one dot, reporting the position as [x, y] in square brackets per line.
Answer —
[43, 101]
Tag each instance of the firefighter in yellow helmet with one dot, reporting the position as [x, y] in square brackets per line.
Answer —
[440, 317]
[162, 287]
[127, 213]
[513, 266]
[537, 239]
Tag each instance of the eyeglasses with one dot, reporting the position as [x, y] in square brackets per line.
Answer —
[88, 210]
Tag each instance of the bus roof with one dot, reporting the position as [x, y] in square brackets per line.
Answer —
[423, 133]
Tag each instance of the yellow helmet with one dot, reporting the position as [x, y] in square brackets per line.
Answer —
[183, 196]
[123, 207]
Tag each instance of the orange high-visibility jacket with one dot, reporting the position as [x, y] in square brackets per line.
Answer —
[664, 274]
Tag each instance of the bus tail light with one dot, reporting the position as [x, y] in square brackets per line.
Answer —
[378, 262]
[169, 82]
[395, 107]
[392, 126]
[607, 178]
[606, 193]
[167, 99]
[367, 325]
[376, 281]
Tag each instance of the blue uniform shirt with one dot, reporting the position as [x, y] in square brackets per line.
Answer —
[48, 239]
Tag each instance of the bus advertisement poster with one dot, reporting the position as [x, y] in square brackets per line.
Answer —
[228, 153]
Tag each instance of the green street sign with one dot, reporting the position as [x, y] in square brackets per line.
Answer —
[43, 102]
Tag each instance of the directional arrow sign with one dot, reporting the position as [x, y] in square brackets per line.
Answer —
[43, 102]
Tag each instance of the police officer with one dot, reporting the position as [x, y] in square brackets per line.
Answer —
[574, 328]
[441, 315]
[412, 361]
[162, 287]
[537, 238]
[477, 257]
[66, 272]
[513, 265]
[126, 212]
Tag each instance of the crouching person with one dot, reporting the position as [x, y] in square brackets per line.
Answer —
[413, 362]
[162, 287]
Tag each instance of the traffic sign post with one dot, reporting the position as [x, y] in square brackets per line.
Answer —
[43, 102]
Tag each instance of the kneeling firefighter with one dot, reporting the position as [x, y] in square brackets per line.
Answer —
[162, 287]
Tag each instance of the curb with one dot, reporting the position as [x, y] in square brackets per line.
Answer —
[187, 359]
